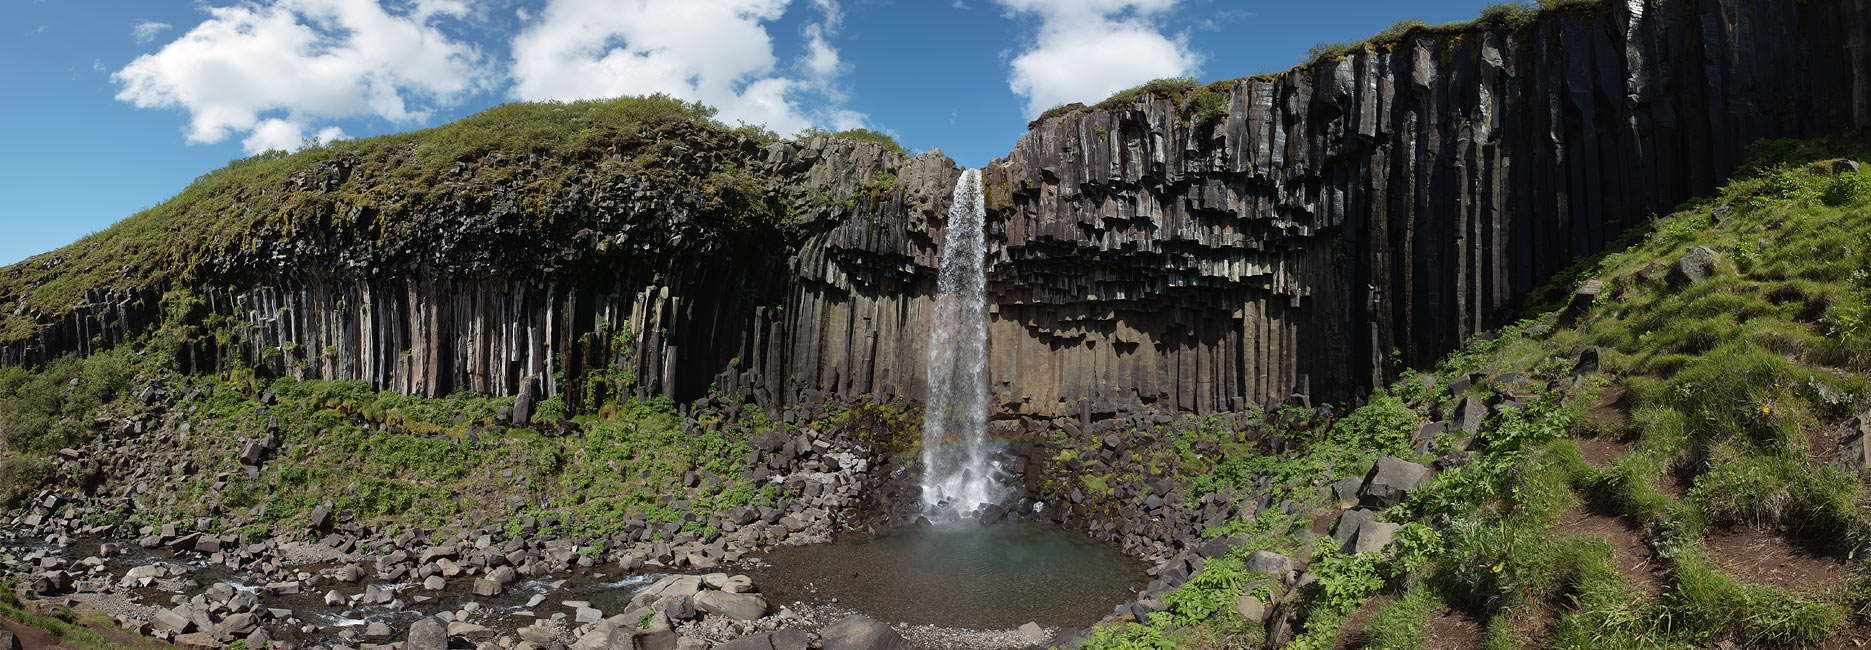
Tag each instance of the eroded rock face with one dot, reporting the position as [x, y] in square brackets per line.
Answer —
[1400, 199]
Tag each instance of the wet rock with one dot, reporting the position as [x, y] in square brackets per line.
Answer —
[991, 514]
[860, 632]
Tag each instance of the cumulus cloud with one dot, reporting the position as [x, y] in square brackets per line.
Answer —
[273, 71]
[1088, 49]
[717, 52]
[146, 30]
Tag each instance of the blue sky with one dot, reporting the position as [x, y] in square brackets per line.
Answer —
[117, 105]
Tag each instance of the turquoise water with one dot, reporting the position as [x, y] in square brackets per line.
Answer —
[961, 574]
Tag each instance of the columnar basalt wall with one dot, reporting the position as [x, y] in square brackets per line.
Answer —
[1400, 199]
[1146, 257]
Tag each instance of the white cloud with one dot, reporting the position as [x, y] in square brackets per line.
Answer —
[1088, 49]
[146, 30]
[717, 52]
[274, 133]
[273, 70]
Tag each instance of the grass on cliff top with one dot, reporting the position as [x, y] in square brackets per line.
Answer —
[1720, 404]
[540, 144]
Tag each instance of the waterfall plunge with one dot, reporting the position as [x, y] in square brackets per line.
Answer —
[958, 478]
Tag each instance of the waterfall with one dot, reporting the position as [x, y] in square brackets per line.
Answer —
[957, 476]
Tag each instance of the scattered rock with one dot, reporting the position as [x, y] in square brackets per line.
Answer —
[1694, 266]
[1251, 608]
[739, 607]
[1389, 481]
[427, 634]
[861, 633]
[1278, 566]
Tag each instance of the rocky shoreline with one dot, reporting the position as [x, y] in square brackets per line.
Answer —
[342, 583]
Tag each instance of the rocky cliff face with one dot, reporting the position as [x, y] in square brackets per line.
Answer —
[1146, 257]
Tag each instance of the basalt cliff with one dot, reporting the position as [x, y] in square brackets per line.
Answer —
[1287, 234]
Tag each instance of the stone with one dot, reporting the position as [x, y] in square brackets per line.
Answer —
[172, 621]
[1251, 608]
[377, 630]
[584, 615]
[991, 514]
[486, 588]
[1347, 527]
[253, 454]
[1274, 565]
[1345, 490]
[1843, 166]
[859, 632]
[318, 518]
[429, 633]
[201, 640]
[1372, 536]
[470, 632]
[233, 627]
[1031, 632]
[1389, 481]
[8, 641]
[1583, 299]
[1591, 360]
[1854, 448]
[1470, 414]
[1694, 266]
[739, 607]
[788, 639]
[434, 583]
[334, 599]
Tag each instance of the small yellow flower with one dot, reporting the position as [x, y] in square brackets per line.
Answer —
[1766, 410]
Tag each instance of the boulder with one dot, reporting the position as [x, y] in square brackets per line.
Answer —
[1389, 481]
[1470, 414]
[1372, 535]
[686, 586]
[1032, 633]
[1251, 608]
[991, 514]
[1694, 266]
[171, 621]
[739, 607]
[1274, 565]
[1854, 454]
[253, 454]
[8, 641]
[859, 632]
[781, 640]
[427, 634]
[1348, 522]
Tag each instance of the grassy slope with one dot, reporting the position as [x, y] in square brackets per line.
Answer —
[1731, 384]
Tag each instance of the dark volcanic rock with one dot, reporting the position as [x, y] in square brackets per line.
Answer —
[1278, 245]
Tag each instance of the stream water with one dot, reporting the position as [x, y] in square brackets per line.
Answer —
[964, 575]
